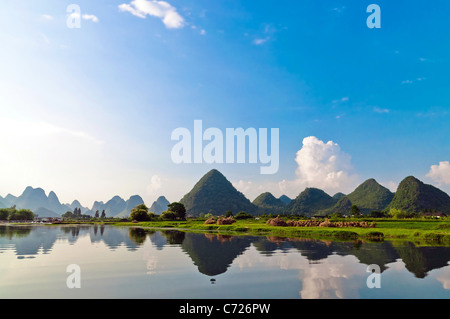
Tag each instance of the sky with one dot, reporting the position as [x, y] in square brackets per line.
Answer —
[89, 111]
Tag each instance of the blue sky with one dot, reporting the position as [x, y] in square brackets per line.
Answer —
[88, 112]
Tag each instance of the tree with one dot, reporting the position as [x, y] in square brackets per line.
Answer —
[228, 213]
[67, 215]
[243, 215]
[23, 214]
[103, 214]
[397, 213]
[355, 211]
[140, 213]
[168, 215]
[337, 215]
[96, 214]
[178, 209]
[4, 214]
[378, 214]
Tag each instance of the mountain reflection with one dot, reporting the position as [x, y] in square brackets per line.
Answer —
[213, 253]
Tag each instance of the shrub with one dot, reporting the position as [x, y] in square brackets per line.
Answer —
[169, 215]
[140, 213]
[397, 213]
[243, 215]
[375, 235]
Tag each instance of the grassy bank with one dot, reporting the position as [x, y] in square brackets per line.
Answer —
[419, 231]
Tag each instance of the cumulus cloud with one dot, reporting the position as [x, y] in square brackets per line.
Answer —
[324, 165]
[319, 164]
[160, 9]
[440, 173]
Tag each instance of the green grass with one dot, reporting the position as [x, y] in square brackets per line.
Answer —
[419, 231]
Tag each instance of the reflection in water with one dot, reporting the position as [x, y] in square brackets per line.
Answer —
[323, 269]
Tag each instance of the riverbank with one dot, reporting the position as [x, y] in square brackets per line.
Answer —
[419, 231]
[422, 232]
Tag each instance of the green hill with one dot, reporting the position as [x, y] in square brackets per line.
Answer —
[268, 204]
[214, 194]
[413, 196]
[310, 202]
[341, 207]
[371, 196]
[285, 199]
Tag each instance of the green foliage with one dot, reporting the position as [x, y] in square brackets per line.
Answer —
[228, 213]
[4, 213]
[67, 215]
[355, 211]
[399, 214]
[76, 215]
[378, 214]
[14, 214]
[243, 215]
[178, 209]
[140, 213]
[168, 215]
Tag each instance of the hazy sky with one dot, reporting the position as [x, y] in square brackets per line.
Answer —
[88, 112]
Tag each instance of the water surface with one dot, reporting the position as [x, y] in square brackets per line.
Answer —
[121, 262]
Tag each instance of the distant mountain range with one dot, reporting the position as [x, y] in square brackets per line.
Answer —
[213, 193]
[36, 200]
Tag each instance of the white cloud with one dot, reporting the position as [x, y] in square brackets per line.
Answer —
[344, 99]
[324, 165]
[47, 17]
[319, 164]
[380, 110]
[91, 17]
[440, 173]
[261, 41]
[160, 9]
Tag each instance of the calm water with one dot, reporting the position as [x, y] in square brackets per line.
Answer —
[117, 262]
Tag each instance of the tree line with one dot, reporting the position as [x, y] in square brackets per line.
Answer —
[16, 214]
[76, 214]
[175, 211]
